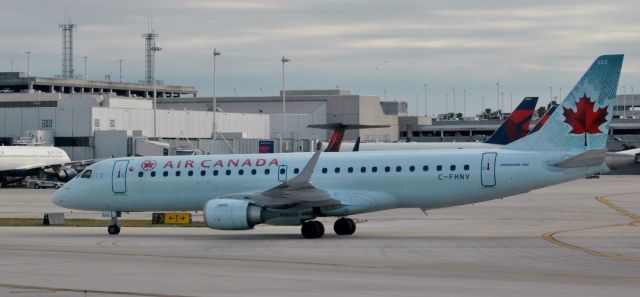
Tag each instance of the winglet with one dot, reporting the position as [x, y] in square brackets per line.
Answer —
[338, 132]
[305, 175]
[356, 147]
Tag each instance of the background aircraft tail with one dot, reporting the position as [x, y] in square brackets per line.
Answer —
[582, 120]
[516, 125]
[544, 118]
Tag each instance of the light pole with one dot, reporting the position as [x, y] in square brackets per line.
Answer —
[235, 92]
[385, 94]
[425, 100]
[446, 106]
[262, 92]
[464, 102]
[482, 111]
[454, 102]
[550, 94]
[215, 101]
[28, 62]
[284, 101]
[502, 111]
[498, 96]
[560, 96]
[155, 49]
[120, 62]
[85, 66]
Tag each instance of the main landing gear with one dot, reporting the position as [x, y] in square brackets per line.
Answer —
[315, 229]
[114, 229]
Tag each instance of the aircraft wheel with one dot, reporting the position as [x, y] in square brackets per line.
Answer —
[36, 186]
[114, 230]
[344, 226]
[312, 229]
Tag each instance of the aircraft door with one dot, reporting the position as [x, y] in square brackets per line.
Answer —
[119, 176]
[282, 173]
[488, 177]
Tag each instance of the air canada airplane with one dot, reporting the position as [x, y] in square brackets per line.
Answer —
[237, 192]
[16, 162]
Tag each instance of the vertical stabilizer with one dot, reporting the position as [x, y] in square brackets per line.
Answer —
[582, 120]
[516, 125]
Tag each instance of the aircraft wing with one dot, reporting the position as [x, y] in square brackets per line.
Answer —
[298, 191]
[32, 166]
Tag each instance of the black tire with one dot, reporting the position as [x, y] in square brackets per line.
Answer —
[312, 229]
[36, 186]
[56, 186]
[342, 226]
[114, 230]
[353, 226]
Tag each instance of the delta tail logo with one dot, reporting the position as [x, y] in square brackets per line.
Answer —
[585, 120]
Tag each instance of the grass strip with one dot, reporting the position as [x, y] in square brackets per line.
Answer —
[20, 222]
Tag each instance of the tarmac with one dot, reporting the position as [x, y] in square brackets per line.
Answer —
[576, 239]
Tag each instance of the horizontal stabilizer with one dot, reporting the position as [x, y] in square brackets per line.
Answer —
[588, 158]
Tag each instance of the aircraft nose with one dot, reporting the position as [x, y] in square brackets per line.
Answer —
[59, 197]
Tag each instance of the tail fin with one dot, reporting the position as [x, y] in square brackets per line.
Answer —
[544, 118]
[586, 112]
[338, 133]
[516, 125]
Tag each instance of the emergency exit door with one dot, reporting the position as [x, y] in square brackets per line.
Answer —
[119, 176]
[488, 177]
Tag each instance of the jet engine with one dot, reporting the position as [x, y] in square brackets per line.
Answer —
[232, 214]
[66, 174]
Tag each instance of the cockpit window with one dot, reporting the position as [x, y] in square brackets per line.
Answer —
[86, 174]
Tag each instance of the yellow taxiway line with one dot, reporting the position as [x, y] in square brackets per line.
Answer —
[549, 236]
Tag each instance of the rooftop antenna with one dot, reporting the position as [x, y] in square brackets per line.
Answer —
[67, 44]
[150, 48]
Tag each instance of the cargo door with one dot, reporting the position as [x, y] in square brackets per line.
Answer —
[488, 177]
[119, 176]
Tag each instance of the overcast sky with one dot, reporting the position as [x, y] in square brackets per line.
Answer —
[366, 46]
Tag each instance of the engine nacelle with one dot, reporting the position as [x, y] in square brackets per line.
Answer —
[66, 174]
[232, 214]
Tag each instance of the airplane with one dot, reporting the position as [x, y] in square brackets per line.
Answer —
[238, 192]
[17, 162]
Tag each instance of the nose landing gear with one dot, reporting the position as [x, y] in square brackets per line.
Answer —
[114, 229]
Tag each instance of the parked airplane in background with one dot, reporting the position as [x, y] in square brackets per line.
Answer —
[17, 162]
[238, 192]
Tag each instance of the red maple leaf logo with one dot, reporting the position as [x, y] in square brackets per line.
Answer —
[148, 165]
[585, 120]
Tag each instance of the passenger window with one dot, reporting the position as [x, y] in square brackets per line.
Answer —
[86, 174]
[203, 172]
[337, 170]
[398, 168]
[165, 174]
[178, 172]
[267, 171]
[296, 170]
[241, 172]
[190, 173]
[374, 169]
[387, 168]
[425, 168]
[363, 169]
[324, 170]
[153, 174]
[253, 171]
[215, 173]
[140, 174]
[228, 172]
[412, 168]
[350, 169]
[439, 167]
[466, 167]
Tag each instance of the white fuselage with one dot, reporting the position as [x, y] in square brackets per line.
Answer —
[425, 179]
[29, 157]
